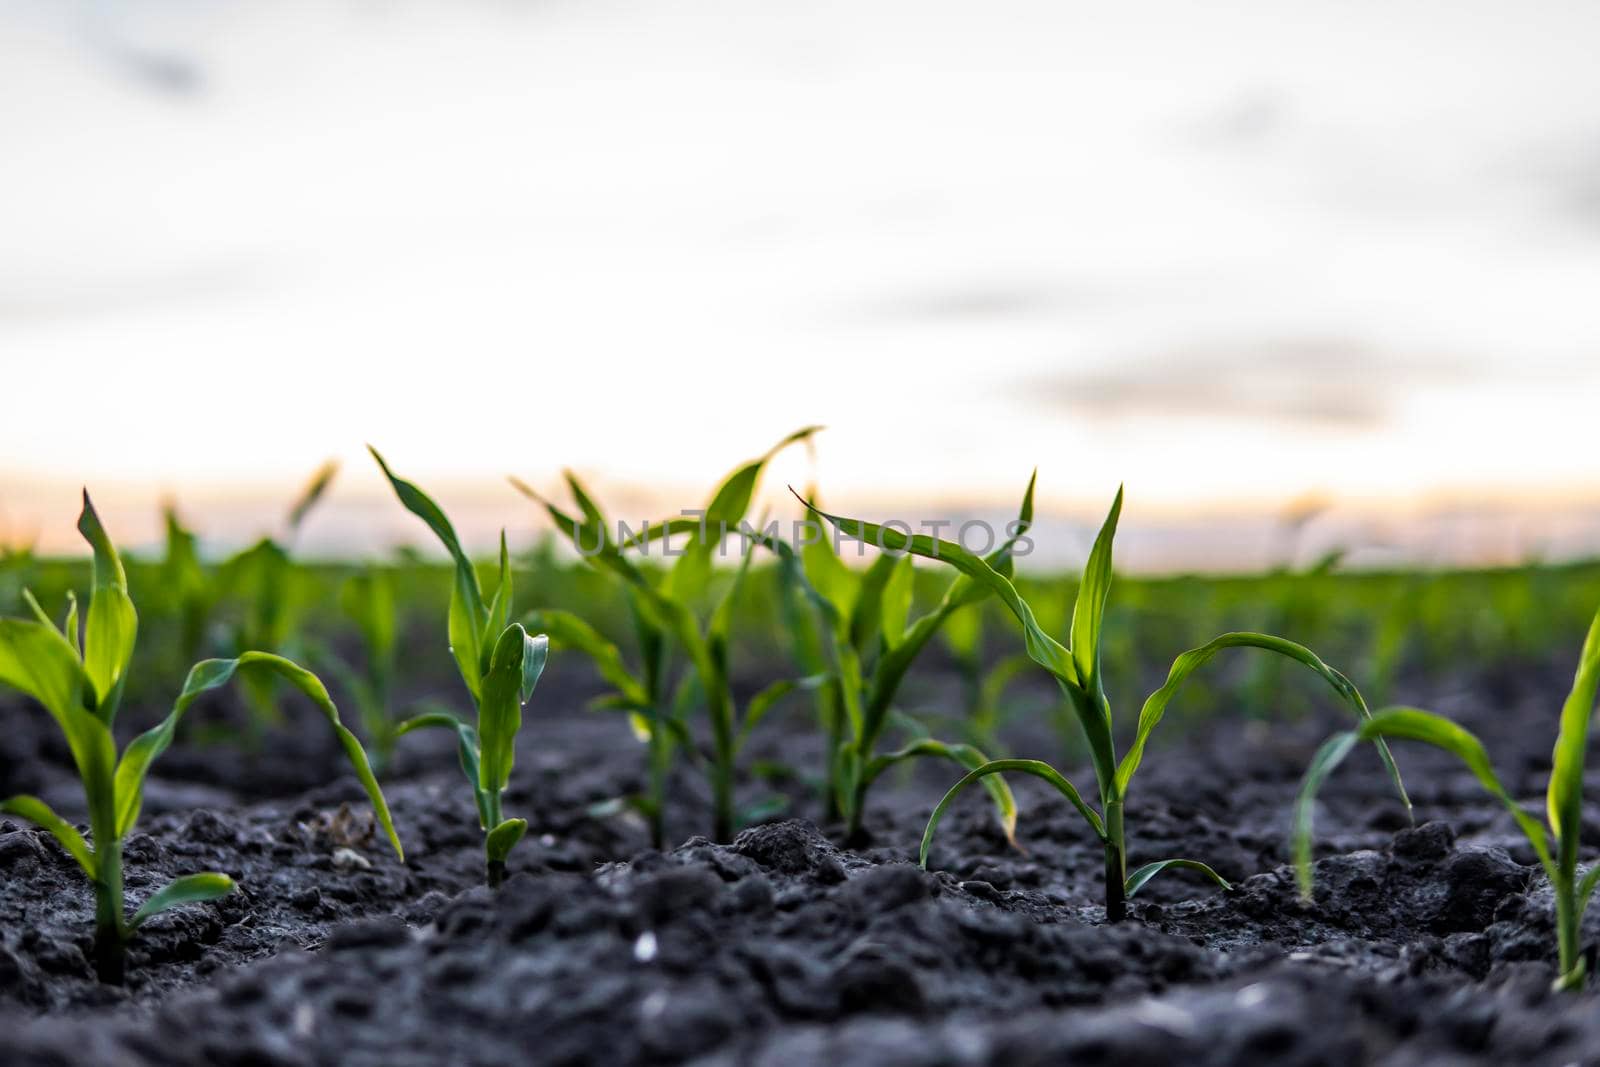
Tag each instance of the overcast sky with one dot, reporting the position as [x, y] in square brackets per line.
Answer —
[1231, 254]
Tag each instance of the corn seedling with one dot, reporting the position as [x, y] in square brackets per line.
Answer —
[266, 587]
[79, 678]
[367, 599]
[499, 661]
[189, 592]
[872, 643]
[1077, 671]
[664, 616]
[1556, 847]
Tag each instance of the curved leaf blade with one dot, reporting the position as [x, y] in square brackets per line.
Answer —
[499, 842]
[466, 750]
[1088, 614]
[312, 492]
[1564, 799]
[111, 625]
[35, 659]
[518, 659]
[1411, 724]
[210, 674]
[1141, 877]
[1037, 768]
[1155, 705]
[189, 889]
[44, 817]
[966, 756]
[468, 613]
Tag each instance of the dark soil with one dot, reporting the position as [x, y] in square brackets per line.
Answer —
[1425, 944]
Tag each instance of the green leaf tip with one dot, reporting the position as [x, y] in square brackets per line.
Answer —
[190, 889]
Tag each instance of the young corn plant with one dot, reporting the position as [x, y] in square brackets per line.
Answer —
[1077, 672]
[663, 608]
[189, 591]
[1556, 846]
[367, 599]
[78, 675]
[272, 591]
[499, 661]
[872, 641]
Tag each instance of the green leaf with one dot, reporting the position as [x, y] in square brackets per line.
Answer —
[1137, 880]
[1037, 768]
[503, 838]
[897, 597]
[40, 814]
[655, 531]
[720, 628]
[499, 609]
[691, 573]
[189, 889]
[1415, 725]
[37, 660]
[112, 624]
[69, 627]
[1185, 665]
[466, 751]
[957, 607]
[1088, 613]
[592, 515]
[867, 616]
[1004, 802]
[468, 615]
[514, 669]
[39, 613]
[210, 674]
[733, 497]
[313, 491]
[1564, 800]
[533, 665]
[1327, 758]
[827, 574]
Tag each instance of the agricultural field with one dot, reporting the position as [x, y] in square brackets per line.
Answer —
[595, 803]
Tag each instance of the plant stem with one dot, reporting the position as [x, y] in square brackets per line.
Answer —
[1116, 863]
[833, 727]
[108, 934]
[722, 802]
[494, 870]
[722, 729]
[1567, 932]
[660, 763]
